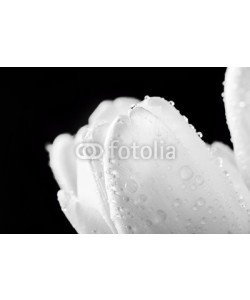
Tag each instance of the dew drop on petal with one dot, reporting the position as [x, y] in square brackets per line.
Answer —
[242, 104]
[199, 180]
[177, 202]
[126, 199]
[195, 208]
[200, 202]
[186, 173]
[131, 186]
[140, 199]
[161, 216]
[200, 134]
[148, 223]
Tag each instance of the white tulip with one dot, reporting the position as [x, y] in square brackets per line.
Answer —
[202, 189]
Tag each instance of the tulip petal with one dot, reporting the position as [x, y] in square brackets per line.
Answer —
[63, 165]
[224, 152]
[224, 157]
[90, 179]
[237, 105]
[90, 191]
[188, 194]
[62, 161]
[80, 218]
[107, 110]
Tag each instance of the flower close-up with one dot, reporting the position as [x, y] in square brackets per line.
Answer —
[141, 167]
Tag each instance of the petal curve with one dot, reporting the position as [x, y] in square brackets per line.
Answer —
[188, 195]
[237, 105]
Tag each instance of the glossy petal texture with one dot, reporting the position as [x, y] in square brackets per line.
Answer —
[224, 157]
[190, 194]
[107, 110]
[83, 197]
[237, 105]
[62, 161]
[89, 188]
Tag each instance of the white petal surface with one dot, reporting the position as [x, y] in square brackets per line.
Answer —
[107, 110]
[237, 105]
[89, 189]
[224, 157]
[62, 161]
[63, 165]
[80, 218]
[187, 195]
[225, 152]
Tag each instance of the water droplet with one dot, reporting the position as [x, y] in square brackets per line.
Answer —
[199, 180]
[177, 202]
[200, 202]
[146, 97]
[243, 204]
[112, 161]
[195, 208]
[108, 171]
[200, 134]
[140, 199]
[129, 228]
[131, 186]
[148, 223]
[126, 199]
[171, 103]
[161, 216]
[115, 173]
[220, 161]
[242, 104]
[186, 173]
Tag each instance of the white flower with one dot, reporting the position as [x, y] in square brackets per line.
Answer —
[204, 189]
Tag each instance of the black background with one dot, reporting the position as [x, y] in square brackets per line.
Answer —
[40, 103]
